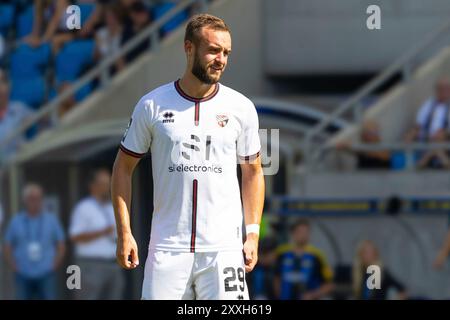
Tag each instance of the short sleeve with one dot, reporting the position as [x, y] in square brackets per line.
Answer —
[326, 273]
[78, 223]
[137, 137]
[11, 231]
[422, 114]
[439, 120]
[248, 144]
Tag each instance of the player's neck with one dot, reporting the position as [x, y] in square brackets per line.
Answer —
[299, 249]
[194, 87]
[99, 198]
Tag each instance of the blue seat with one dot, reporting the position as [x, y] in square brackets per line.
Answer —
[24, 24]
[82, 93]
[73, 58]
[6, 17]
[27, 61]
[30, 90]
[86, 9]
[160, 9]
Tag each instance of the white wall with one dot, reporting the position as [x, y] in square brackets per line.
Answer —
[329, 36]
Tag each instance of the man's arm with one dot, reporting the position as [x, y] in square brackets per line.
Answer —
[277, 286]
[324, 290]
[443, 253]
[89, 236]
[121, 198]
[9, 257]
[60, 252]
[253, 201]
[412, 134]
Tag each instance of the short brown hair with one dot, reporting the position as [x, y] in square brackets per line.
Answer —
[198, 21]
[300, 222]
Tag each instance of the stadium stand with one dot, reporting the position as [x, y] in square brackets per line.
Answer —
[398, 208]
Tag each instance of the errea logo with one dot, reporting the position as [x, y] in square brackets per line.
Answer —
[168, 117]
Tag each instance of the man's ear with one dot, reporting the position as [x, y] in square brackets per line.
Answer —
[188, 47]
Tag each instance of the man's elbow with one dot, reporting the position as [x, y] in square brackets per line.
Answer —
[253, 171]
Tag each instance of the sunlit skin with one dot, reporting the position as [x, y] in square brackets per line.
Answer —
[209, 57]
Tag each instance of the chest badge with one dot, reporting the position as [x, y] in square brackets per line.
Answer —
[222, 120]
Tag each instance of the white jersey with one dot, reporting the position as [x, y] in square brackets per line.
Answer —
[194, 145]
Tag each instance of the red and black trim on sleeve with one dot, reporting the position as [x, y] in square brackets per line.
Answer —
[131, 153]
[194, 213]
[251, 157]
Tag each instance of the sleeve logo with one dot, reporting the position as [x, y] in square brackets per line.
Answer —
[126, 130]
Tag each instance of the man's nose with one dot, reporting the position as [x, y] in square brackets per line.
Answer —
[221, 58]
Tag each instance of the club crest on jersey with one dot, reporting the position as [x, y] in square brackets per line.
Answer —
[168, 117]
[222, 120]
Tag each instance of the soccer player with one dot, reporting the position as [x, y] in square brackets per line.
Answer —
[196, 129]
[302, 270]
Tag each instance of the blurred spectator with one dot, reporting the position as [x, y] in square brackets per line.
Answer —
[34, 247]
[94, 20]
[108, 38]
[367, 254]
[302, 271]
[260, 280]
[432, 125]
[369, 134]
[443, 254]
[12, 115]
[52, 16]
[92, 230]
[140, 18]
[2, 48]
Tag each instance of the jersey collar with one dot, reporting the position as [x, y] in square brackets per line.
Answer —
[188, 97]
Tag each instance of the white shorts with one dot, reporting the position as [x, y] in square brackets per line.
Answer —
[194, 276]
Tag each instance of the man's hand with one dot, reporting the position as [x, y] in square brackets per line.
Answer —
[127, 248]
[251, 251]
[33, 41]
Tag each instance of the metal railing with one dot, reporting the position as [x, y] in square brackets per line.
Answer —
[102, 70]
[403, 65]
[406, 150]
